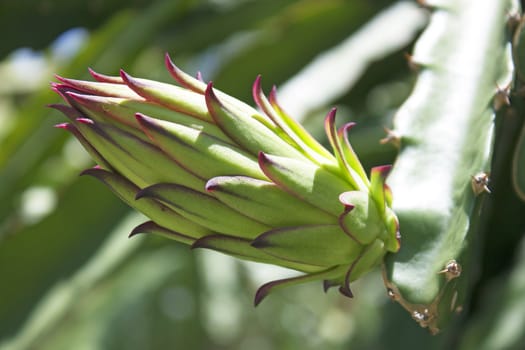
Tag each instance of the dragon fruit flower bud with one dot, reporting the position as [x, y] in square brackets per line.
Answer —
[212, 172]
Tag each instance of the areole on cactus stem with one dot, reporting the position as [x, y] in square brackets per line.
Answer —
[212, 172]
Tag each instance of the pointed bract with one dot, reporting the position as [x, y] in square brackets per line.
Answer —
[153, 228]
[243, 194]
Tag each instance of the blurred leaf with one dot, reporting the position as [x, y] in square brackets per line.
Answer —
[501, 318]
[331, 74]
[49, 18]
[38, 256]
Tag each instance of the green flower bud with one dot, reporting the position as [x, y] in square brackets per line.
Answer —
[212, 172]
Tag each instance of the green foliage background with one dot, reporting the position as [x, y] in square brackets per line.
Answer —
[70, 279]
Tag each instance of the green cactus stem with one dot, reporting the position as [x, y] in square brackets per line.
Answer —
[518, 162]
[440, 177]
[518, 166]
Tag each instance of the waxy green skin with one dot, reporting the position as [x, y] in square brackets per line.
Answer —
[446, 130]
[212, 172]
[518, 162]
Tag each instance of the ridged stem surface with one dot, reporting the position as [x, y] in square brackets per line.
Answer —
[446, 130]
